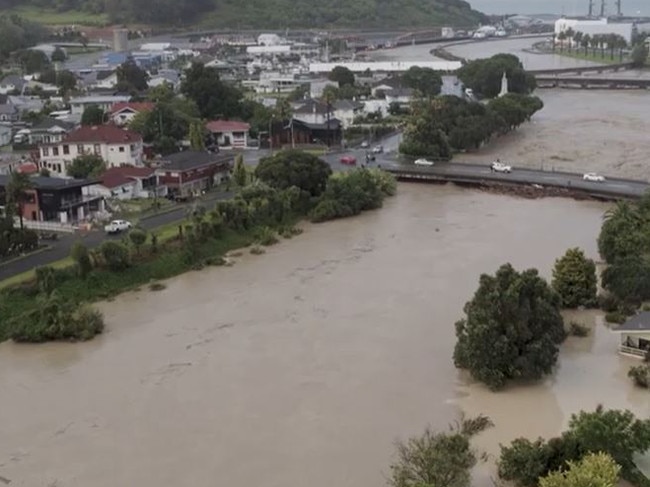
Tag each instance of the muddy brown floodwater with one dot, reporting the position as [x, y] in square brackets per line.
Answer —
[303, 365]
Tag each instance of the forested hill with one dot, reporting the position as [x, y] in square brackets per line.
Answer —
[277, 14]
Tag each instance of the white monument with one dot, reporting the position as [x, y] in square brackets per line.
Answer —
[504, 85]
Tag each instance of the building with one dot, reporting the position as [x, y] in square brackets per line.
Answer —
[229, 134]
[169, 77]
[385, 66]
[127, 182]
[56, 200]
[5, 135]
[118, 147]
[122, 113]
[47, 131]
[120, 40]
[79, 104]
[316, 123]
[635, 335]
[191, 172]
[9, 113]
[12, 83]
[594, 27]
[346, 111]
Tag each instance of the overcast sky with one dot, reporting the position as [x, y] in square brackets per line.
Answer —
[567, 7]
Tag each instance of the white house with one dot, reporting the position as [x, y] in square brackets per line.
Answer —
[594, 27]
[346, 110]
[118, 147]
[635, 335]
[122, 113]
[317, 87]
[79, 104]
[313, 112]
[229, 134]
[47, 131]
[11, 83]
[127, 182]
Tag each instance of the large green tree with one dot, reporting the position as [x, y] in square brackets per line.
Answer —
[424, 81]
[131, 77]
[594, 470]
[92, 115]
[294, 168]
[342, 75]
[438, 459]
[17, 188]
[512, 328]
[484, 76]
[574, 279]
[86, 166]
[214, 97]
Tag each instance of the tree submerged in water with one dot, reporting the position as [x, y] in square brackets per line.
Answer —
[512, 328]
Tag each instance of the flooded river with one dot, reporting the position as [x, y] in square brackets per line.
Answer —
[303, 365]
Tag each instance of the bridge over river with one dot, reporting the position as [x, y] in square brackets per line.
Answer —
[481, 175]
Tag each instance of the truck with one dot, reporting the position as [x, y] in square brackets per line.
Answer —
[117, 226]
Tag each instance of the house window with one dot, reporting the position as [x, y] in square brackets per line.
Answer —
[58, 168]
[80, 149]
[97, 149]
[121, 148]
[46, 151]
[132, 147]
[66, 150]
[55, 151]
[46, 139]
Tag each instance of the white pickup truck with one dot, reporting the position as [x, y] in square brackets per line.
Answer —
[117, 226]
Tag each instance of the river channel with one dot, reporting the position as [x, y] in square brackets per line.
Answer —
[303, 365]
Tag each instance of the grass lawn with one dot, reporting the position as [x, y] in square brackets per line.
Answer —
[52, 17]
[595, 57]
[29, 275]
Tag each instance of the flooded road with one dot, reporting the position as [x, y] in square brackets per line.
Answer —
[303, 365]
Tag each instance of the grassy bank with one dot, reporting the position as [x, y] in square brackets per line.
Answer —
[52, 17]
[593, 56]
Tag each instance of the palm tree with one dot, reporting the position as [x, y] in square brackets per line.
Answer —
[569, 36]
[19, 184]
[561, 37]
[585, 41]
[622, 211]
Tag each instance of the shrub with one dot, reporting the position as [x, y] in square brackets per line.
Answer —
[215, 261]
[608, 302]
[615, 317]
[115, 255]
[137, 238]
[640, 375]
[154, 243]
[256, 250]
[574, 279]
[266, 236]
[45, 279]
[157, 286]
[578, 330]
[81, 256]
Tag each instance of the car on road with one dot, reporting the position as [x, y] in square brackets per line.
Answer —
[592, 176]
[423, 162]
[378, 149]
[365, 144]
[498, 166]
[117, 226]
[349, 160]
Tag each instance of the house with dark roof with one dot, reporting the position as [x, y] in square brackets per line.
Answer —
[313, 122]
[105, 102]
[47, 131]
[635, 335]
[12, 83]
[56, 200]
[229, 134]
[123, 112]
[128, 182]
[191, 172]
[347, 110]
[116, 146]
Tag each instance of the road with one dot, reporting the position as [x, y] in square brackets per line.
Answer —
[481, 172]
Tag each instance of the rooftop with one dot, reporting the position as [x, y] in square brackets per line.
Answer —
[108, 134]
[637, 323]
[100, 99]
[144, 106]
[227, 126]
[41, 182]
[182, 161]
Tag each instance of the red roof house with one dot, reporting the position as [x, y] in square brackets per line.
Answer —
[123, 112]
[229, 134]
[127, 182]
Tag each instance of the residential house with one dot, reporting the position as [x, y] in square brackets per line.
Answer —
[118, 147]
[90, 79]
[5, 135]
[122, 113]
[401, 96]
[56, 200]
[170, 77]
[128, 182]
[315, 123]
[229, 134]
[190, 172]
[12, 83]
[26, 103]
[346, 111]
[105, 102]
[379, 89]
[47, 131]
[317, 87]
[635, 335]
[8, 112]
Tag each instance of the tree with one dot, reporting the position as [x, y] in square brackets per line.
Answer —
[58, 56]
[639, 55]
[197, 136]
[214, 98]
[66, 81]
[92, 115]
[294, 168]
[19, 184]
[574, 279]
[594, 470]
[524, 461]
[239, 173]
[86, 166]
[115, 255]
[424, 81]
[81, 256]
[438, 459]
[512, 328]
[130, 77]
[33, 61]
[342, 75]
[484, 76]
[138, 238]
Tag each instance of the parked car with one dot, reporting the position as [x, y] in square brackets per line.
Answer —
[423, 162]
[498, 166]
[370, 157]
[349, 160]
[365, 144]
[117, 226]
[378, 149]
[592, 176]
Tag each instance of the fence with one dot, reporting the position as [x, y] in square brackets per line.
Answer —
[47, 226]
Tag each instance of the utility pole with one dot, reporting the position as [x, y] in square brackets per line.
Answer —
[602, 9]
[591, 9]
[618, 9]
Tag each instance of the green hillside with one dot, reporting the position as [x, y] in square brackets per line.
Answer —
[263, 14]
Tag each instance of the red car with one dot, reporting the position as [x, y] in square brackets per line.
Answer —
[348, 160]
